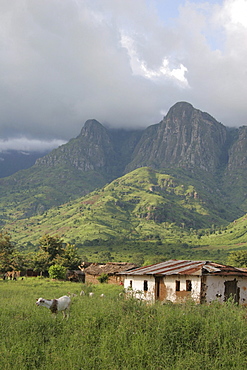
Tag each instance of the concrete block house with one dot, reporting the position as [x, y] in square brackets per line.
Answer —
[179, 280]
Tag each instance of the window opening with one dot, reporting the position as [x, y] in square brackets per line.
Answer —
[177, 285]
[188, 285]
[145, 286]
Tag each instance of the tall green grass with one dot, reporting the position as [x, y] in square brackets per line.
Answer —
[114, 333]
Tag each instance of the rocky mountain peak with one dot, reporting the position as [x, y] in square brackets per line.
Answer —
[91, 129]
[186, 138]
[181, 110]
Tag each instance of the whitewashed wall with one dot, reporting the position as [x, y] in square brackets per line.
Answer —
[137, 287]
[216, 288]
[170, 283]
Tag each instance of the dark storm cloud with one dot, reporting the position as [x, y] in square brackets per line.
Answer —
[63, 62]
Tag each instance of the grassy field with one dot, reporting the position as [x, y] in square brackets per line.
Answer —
[114, 333]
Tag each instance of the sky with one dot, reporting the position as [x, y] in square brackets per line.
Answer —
[122, 62]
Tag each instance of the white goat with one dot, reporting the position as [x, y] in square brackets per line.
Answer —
[72, 294]
[56, 305]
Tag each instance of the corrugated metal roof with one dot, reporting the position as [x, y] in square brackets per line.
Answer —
[184, 267]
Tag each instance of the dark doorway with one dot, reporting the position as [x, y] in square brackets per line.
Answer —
[231, 290]
[160, 288]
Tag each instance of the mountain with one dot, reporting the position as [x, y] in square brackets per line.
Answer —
[138, 205]
[185, 138]
[234, 177]
[187, 144]
[96, 149]
[144, 211]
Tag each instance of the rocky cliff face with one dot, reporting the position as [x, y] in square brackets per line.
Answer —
[92, 150]
[185, 138]
[234, 177]
[238, 151]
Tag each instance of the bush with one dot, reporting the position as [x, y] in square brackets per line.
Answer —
[103, 278]
[57, 272]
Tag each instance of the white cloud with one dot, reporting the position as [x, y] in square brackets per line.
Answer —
[235, 11]
[139, 67]
[29, 145]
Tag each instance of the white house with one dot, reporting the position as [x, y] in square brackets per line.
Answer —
[176, 281]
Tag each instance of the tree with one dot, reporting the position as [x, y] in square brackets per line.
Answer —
[57, 272]
[52, 245]
[69, 257]
[41, 261]
[238, 259]
[20, 261]
[6, 252]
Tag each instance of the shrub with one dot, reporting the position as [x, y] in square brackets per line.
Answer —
[57, 272]
[103, 278]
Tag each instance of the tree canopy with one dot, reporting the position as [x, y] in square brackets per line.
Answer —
[6, 252]
[238, 259]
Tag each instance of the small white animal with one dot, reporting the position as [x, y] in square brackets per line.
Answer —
[56, 305]
[72, 294]
[82, 293]
[102, 296]
[91, 294]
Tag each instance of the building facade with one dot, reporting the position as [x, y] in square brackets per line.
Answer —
[177, 281]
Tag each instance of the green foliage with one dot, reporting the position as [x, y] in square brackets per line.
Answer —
[143, 204]
[105, 256]
[57, 272]
[138, 259]
[53, 251]
[238, 259]
[103, 278]
[41, 261]
[69, 257]
[115, 333]
[6, 252]
[52, 245]
[144, 212]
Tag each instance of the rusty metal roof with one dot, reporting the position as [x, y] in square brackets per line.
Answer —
[184, 267]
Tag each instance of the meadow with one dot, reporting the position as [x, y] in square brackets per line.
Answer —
[116, 333]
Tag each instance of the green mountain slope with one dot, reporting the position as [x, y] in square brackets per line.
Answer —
[142, 204]
[234, 236]
[85, 163]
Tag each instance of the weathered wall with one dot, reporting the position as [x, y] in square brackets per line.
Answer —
[173, 296]
[204, 289]
[167, 287]
[215, 288]
[138, 286]
[113, 279]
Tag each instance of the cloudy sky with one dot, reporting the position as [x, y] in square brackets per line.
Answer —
[122, 62]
